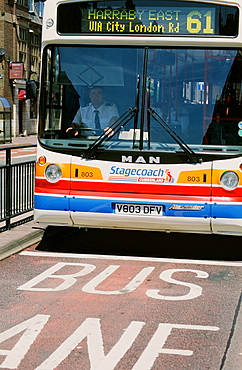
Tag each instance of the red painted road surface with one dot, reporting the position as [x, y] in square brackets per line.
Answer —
[71, 311]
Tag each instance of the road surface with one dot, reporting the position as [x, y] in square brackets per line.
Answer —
[88, 311]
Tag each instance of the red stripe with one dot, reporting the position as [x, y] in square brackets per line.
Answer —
[90, 194]
[227, 199]
[141, 188]
[85, 186]
[43, 191]
[220, 192]
[47, 186]
[140, 196]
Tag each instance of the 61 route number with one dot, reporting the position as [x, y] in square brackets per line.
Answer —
[194, 25]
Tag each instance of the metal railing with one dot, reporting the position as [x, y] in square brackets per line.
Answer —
[16, 188]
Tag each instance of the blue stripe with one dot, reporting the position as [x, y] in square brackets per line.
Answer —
[227, 210]
[107, 206]
[51, 203]
[103, 205]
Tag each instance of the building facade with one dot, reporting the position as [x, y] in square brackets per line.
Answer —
[20, 38]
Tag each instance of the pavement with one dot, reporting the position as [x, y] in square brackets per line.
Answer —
[19, 238]
[21, 140]
[23, 236]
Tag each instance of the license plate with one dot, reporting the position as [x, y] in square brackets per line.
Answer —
[139, 209]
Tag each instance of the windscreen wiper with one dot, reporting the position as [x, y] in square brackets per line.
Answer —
[189, 152]
[113, 129]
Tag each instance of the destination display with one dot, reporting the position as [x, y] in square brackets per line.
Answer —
[161, 20]
[151, 17]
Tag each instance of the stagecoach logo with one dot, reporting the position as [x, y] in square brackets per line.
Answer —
[178, 207]
[141, 174]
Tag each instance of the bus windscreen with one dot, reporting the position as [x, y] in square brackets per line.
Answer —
[191, 93]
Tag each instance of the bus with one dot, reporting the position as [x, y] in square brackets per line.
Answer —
[170, 157]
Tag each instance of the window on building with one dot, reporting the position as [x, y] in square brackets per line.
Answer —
[36, 7]
[31, 6]
[23, 47]
[40, 7]
[35, 50]
[35, 58]
[23, 2]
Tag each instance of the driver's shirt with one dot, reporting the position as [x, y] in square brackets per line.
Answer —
[87, 114]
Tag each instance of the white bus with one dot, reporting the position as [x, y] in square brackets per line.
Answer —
[140, 119]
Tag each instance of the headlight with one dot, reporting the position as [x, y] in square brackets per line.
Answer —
[53, 173]
[229, 180]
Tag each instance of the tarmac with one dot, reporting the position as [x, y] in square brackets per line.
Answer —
[20, 237]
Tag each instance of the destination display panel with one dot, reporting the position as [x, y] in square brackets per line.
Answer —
[149, 18]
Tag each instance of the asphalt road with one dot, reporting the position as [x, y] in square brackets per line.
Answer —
[106, 300]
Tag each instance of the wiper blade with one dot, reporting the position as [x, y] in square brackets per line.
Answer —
[189, 152]
[114, 129]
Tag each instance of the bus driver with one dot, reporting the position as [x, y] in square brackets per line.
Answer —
[97, 115]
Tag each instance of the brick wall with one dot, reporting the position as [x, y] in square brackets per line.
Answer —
[12, 17]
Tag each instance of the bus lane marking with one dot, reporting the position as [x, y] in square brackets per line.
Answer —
[166, 275]
[157, 342]
[138, 280]
[31, 329]
[68, 280]
[90, 329]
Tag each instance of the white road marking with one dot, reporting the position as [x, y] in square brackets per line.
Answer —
[31, 329]
[194, 292]
[91, 329]
[90, 287]
[155, 346]
[129, 258]
[69, 279]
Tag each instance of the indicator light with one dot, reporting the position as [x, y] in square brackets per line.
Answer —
[41, 161]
